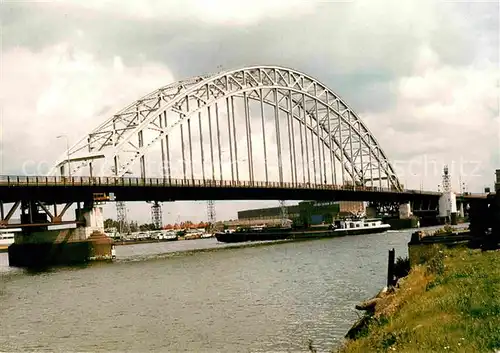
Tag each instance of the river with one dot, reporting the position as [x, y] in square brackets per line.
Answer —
[271, 298]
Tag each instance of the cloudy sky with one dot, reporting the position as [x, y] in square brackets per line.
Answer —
[423, 75]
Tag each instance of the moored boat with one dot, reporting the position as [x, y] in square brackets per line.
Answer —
[192, 234]
[165, 235]
[170, 236]
[6, 238]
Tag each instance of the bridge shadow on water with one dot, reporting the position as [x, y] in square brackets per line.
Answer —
[49, 269]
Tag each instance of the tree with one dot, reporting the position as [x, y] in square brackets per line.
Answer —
[147, 227]
[110, 223]
[133, 227]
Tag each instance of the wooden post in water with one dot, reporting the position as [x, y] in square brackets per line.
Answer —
[390, 268]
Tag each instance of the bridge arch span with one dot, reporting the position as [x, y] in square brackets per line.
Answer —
[275, 123]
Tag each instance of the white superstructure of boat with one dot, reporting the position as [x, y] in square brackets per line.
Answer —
[359, 226]
[6, 238]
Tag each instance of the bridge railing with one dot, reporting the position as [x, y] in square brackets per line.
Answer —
[20, 181]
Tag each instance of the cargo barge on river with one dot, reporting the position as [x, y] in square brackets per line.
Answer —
[337, 229]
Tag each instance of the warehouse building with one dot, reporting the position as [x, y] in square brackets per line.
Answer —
[310, 212]
[497, 181]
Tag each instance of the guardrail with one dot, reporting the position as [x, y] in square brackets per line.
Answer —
[22, 181]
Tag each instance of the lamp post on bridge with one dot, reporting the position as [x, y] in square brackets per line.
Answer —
[67, 152]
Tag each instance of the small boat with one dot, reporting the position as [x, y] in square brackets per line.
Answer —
[6, 238]
[192, 234]
[170, 236]
[162, 235]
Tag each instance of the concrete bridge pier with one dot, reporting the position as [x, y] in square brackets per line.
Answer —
[407, 218]
[405, 210]
[448, 208]
[39, 246]
[460, 210]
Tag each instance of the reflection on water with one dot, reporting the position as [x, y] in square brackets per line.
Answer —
[156, 298]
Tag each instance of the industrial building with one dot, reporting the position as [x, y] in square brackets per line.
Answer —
[311, 212]
[315, 212]
[497, 181]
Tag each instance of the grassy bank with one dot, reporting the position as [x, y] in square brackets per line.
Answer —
[451, 304]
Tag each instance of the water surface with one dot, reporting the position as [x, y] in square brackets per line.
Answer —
[271, 298]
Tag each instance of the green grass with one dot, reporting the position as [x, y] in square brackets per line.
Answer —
[452, 304]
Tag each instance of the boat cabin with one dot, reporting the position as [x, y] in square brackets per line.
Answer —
[353, 224]
[6, 235]
[6, 238]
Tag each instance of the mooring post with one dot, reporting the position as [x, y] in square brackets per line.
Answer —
[390, 268]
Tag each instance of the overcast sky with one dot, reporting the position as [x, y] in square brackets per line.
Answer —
[421, 74]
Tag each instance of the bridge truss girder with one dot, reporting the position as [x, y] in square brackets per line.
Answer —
[323, 120]
[385, 208]
[33, 213]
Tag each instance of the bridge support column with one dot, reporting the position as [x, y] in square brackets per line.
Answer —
[461, 210]
[448, 208]
[405, 211]
[40, 246]
[405, 219]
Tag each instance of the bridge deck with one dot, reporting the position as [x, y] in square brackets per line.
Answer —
[62, 189]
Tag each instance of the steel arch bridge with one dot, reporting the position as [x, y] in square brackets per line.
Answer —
[261, 123]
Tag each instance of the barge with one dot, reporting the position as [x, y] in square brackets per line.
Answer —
[337, 229]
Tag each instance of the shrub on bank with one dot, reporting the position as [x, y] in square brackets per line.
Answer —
[401, 267]
[450, 304]
[447, 229]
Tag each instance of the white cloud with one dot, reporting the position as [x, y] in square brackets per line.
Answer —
[227, 12]
[443, 115]
[373, 35]
[62, 90]
[443, 91]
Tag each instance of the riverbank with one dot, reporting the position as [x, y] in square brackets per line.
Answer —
[450, 304]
